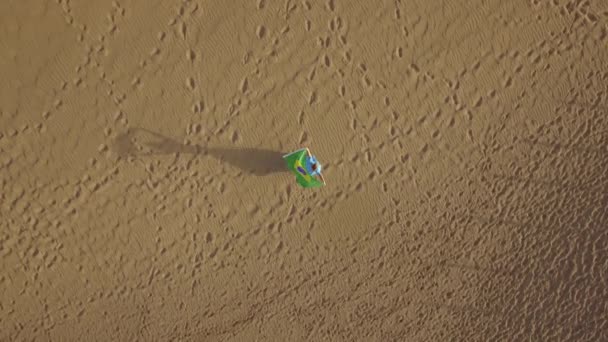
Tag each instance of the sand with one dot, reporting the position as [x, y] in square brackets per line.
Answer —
[464, 146]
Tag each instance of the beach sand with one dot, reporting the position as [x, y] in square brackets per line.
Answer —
[464, 145]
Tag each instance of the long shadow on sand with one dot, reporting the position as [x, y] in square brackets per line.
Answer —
[137, 142]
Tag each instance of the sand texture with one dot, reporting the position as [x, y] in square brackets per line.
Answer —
[143, 195]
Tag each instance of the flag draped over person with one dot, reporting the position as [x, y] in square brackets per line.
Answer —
[305, 167]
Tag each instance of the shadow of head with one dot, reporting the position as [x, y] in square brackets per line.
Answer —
[142, 142]
[139, 142]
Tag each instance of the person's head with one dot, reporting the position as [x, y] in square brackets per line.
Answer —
[313, 166]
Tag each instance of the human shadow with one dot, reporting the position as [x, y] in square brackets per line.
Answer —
[259, 162]
[138, 142]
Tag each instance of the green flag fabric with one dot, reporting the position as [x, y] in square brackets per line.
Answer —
[295, 163]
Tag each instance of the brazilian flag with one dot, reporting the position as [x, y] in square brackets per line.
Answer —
[296, 164]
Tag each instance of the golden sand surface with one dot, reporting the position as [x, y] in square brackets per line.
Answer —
[464, 145]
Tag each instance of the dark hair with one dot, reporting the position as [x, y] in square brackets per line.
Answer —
[314, 166]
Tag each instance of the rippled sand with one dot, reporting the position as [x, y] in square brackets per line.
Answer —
[464, 146]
